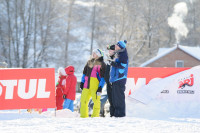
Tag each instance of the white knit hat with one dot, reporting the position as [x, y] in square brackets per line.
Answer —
[98, 52]
[62, 71]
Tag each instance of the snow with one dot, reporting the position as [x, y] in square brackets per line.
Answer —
[87, 4]
[193, 51]
[158, 117]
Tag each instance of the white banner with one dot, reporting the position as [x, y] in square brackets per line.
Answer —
[183, 86]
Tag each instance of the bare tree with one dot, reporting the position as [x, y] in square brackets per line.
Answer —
[17, 35]
[35, 33]
[26, 30]
[39, 33]
[68, 30]
[9, 32]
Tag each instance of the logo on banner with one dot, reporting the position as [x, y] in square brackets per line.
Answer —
[165, 91]
[36, 87]
[27, 88]
[188, 81]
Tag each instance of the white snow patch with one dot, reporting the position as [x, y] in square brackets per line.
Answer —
[65, 113]
[155, 117]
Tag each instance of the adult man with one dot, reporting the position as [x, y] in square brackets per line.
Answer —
[118, 77]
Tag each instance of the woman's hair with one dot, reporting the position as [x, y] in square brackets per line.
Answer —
[100, 58]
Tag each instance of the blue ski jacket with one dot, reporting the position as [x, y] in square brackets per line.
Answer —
[119, 69]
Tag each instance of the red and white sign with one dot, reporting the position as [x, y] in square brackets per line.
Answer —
[27, 88]
[140, 76]
[181, 86]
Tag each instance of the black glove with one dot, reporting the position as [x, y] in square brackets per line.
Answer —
[64, 96]
[112, 63]
[81, 85]
[99, 89]
[98, 93]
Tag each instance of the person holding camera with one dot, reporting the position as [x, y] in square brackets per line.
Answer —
[118, 77]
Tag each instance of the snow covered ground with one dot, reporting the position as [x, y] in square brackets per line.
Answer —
[156, 117]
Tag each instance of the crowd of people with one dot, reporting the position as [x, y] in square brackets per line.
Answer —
[96, 73]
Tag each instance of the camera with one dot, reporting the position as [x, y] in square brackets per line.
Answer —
[111, 47]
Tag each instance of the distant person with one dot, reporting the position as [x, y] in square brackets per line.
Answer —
[118, 77]
[60, 88]
[70, 89]
[110, 55]
[41, 110]
[92, 83]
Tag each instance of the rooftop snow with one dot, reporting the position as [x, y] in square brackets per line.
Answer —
[193, 51]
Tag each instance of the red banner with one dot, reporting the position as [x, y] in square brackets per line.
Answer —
[27, 88]
[140, 76]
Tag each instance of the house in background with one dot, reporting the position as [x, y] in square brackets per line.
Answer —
[177, 56]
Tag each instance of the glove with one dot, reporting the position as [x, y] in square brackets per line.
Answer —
[112, 63]
[56, 84]
[64, 96]
[99, 91]
[81, 85]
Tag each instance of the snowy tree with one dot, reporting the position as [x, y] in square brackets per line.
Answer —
[48, 33]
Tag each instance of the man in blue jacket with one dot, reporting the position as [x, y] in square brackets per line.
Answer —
[118, 77]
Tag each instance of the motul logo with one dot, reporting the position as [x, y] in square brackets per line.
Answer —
[27, 88]
[36, 87]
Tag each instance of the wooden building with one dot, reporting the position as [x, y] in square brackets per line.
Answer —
[177, 56]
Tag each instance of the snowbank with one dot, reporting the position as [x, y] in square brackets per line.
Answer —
[140, 119]
[158, 109]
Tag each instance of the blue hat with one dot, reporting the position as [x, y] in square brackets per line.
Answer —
[122, 44]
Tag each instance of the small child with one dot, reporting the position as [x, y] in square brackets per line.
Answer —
[60, 88]
[70, 89]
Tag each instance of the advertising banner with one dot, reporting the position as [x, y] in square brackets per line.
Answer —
[182, 86]
[140, 76]
[27, 88]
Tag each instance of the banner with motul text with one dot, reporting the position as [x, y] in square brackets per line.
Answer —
[27, 88]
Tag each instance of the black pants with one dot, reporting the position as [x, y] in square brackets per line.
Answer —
[118, 98]
[109, 89]
[109, 93]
